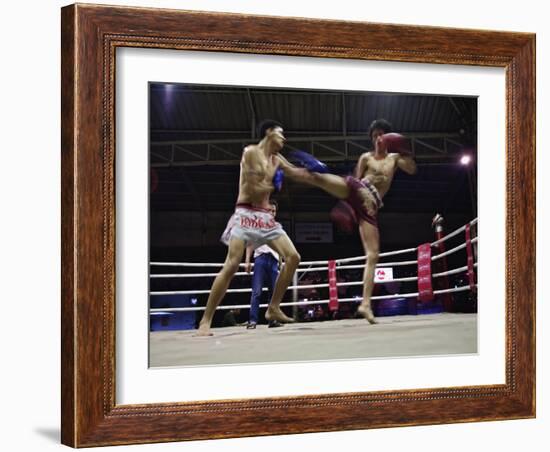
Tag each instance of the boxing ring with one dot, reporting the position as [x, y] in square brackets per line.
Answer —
[394, 336]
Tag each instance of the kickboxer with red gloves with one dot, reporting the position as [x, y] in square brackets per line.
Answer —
[361, 194]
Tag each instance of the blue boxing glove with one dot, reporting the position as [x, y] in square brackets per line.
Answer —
[309, 162]
[278, 179]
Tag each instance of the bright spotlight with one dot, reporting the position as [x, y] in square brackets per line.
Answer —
[466, 159]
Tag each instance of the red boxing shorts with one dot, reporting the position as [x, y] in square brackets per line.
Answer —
[364, 198]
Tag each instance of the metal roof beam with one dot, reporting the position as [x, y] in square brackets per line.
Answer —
[316, 138]
[328, 148]
[421, 159]
[430, 146]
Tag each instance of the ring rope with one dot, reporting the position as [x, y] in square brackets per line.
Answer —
[452, 250]
[310, 286]
[452, 272]
[456, 232]
[304, 270]
[298, 270]
[195, 275]
[310, 302]
[338, 261]
[358, 258]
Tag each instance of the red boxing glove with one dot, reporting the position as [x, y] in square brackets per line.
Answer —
[397, 143]
[344, 217]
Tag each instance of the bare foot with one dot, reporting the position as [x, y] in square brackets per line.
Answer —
[366, 311]
[278, 315]
[203, 331]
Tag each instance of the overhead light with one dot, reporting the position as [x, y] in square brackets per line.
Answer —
[465, 159]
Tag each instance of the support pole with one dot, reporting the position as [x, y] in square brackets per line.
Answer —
[295, 296]
[440, 265]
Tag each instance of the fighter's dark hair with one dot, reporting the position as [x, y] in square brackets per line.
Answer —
[265, 125]
[381, 124]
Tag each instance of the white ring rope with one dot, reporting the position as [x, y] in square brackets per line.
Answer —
[452, 272]
[311, 286]
[453, 250]
[338, 261]
[359, 258]
[213, 275]
[312, 269]
[310, 302]
[303, 270]
[195, 275]
[298, 270]
[456, 232]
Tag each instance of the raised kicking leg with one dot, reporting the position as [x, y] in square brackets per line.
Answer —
[235, 253]
[331, 183]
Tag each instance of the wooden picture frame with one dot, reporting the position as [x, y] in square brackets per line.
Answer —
[90, 36]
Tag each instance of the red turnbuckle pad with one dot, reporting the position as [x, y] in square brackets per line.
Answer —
[425, 289]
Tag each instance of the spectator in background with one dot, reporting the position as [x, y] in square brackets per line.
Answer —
[267, 263]
[230, 317]
[319, 313]
[308, 279]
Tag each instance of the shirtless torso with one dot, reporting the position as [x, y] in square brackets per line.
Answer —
[250, 225]
[379, 171]
[256, 176]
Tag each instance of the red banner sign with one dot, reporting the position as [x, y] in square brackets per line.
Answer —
[332, 287]
[469, 253]
[425, 289]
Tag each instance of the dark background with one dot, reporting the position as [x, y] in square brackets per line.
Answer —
[197, 134]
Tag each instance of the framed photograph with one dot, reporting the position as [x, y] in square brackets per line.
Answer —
[374, 189]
